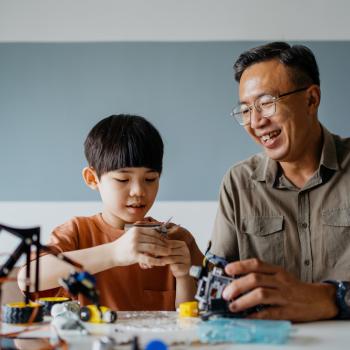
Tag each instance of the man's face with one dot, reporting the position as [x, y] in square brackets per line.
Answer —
[128, 194]
[284, 135]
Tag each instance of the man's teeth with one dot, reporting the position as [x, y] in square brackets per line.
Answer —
[270, 135]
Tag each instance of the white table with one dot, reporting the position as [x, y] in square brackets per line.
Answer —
[315, 335]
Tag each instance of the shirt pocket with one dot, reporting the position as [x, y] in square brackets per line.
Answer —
[263, 238]
[336, 237]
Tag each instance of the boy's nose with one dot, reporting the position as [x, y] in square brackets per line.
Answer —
[137, 190]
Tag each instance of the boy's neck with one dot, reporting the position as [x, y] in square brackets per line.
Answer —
[113, 221]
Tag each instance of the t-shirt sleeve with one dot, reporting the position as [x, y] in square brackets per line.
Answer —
[63, 238]
[224, 235]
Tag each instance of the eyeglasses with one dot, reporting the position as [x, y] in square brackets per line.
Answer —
[265, 105]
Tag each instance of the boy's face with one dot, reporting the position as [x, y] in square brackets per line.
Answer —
[127, 194]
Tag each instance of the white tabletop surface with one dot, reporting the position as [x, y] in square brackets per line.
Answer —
[179, 333]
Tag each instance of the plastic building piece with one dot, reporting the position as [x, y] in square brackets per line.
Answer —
[48, 302]
[188, 309]
[244, 331]
[81, 282]
[104, 343]
[211, 284]
[66, 317]
[156, 345]
[94, 314]
[20, 312]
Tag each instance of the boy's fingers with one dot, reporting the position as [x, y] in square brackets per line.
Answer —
[151, 232]
[153, 240]
[150, 261]
[154, 249]
[176, 244]
[174, 259]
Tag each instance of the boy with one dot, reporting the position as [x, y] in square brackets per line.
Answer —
[124, 154]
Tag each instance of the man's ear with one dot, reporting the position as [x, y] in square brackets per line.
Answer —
[90, 177]
[314, 97]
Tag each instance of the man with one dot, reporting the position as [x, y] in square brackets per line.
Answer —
[284, 215]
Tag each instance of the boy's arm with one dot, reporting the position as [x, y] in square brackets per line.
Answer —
[184, 253]
[134, 246]
[186, 288]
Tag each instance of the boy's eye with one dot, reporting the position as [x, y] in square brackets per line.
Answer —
[151, 179]
[122, 180]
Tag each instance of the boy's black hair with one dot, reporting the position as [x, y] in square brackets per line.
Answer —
[121, 141]
[298, 58]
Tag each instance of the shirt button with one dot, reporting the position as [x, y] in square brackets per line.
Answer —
[304, 225]
[307, 262]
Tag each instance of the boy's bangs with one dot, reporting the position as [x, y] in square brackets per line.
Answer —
[136, 151]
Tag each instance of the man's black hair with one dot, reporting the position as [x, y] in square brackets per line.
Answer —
[121, 141]
[299, 58]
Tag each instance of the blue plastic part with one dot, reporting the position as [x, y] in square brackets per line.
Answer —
[84, 275]
[228, 330]
[216, 260]
[156, 345]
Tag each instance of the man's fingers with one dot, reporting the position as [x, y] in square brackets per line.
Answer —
[247, 283]
[270, 313]
[250, 265]
[258, 296]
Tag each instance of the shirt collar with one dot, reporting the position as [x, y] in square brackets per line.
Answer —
[329, 158]
[268, 169]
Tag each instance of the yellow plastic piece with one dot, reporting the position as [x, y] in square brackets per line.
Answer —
[54, 299]
[94, 315]
[188, 309]
[22, 304]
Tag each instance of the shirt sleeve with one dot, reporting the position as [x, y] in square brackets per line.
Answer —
[224, 235]
[64, 238]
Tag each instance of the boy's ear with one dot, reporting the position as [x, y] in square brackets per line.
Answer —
[90, 177]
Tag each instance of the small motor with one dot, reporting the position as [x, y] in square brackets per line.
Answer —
[94, 314]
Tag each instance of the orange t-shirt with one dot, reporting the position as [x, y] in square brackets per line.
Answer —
[120, 287]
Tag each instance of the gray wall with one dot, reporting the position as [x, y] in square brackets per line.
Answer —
[52, 94]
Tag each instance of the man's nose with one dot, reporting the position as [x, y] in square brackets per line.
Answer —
[256, 118]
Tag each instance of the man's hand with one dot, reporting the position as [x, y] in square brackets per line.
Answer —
[285, 296]
[141, 245]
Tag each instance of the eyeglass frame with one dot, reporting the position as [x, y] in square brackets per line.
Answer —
[274, 98]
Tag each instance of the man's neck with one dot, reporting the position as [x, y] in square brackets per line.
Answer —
[301, 170]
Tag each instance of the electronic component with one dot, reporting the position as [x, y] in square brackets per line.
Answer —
[48, 302]
[211, 284]
[103, 314]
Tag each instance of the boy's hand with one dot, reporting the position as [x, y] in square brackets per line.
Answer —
[179, 258]
[140, 245]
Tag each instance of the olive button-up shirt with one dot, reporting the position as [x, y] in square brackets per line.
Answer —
[307, 231]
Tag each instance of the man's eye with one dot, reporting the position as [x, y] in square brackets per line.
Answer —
[266, 104]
